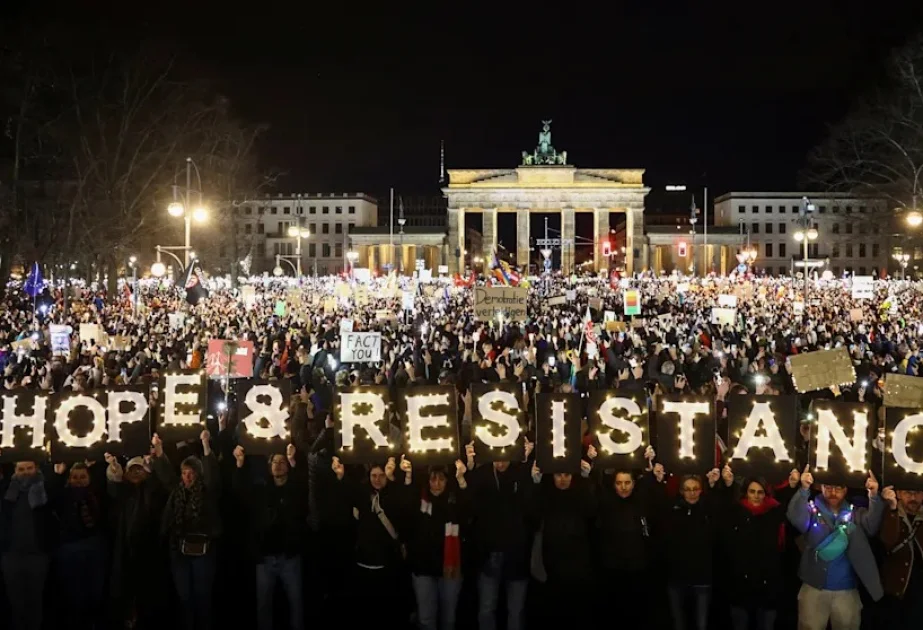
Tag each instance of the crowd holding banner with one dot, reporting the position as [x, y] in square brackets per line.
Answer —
[431, 446]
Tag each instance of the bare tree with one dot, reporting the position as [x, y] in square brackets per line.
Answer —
[877, 150]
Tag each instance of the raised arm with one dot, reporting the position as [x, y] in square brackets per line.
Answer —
[799, 513]
[870, 519]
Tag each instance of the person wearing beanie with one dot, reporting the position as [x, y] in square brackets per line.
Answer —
[191, 523]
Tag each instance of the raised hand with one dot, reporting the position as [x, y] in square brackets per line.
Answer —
[536, 473]
[290, 451]
[890, 497]
[406, 466]
[390, 467]
[871, 485]
[713, 476]
[239, 456]
[728, 475]
[591, 452]
[156, 446]
[807, 479]
[794, 478]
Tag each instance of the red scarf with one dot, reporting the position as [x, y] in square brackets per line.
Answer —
[451, 546]
[758, 510]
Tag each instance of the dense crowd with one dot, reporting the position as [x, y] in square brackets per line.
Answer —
[202, 534]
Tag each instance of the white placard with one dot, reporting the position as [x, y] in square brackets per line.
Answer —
[727, 301]
[60, 338]
[442, 269]
[177, 320]
[248, 295]
[360, 347]
[863, 287]
[407, 301]
[90, 332]
[346, 326]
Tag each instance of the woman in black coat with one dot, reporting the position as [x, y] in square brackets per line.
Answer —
[753, 532]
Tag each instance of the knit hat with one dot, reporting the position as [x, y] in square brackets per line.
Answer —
[138, 461]
[195, 464]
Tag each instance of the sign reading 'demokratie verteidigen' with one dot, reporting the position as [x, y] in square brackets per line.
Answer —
[492, 302]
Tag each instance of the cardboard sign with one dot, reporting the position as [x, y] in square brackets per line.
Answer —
[903, 462]
[360, 347]
[632, 302]
[495, 302]
[228, 358]
[60, 338]
[812, 371]
[903, 390]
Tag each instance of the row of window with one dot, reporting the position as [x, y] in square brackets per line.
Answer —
[288, 249]
[814, 248]
[834, 228]
[299, 210]
[285, 225]
[796, 209]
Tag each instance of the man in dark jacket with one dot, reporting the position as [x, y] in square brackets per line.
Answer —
[277, 512]
[902, 567]
[24, 541]
[500, 495]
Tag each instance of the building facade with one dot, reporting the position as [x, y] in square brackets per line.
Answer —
[263, 224]
[855, 235]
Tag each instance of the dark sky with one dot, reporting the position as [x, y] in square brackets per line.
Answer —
[360, 99]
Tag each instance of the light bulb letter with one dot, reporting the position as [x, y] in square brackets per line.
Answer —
[618, 422]
[490, 406]
[370, 422]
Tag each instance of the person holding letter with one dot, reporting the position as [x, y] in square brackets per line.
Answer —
[836, 555]
[902, 568]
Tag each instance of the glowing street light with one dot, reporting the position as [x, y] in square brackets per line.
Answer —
[158, 269]
[175, 209]
[200, 215]
[914, 218]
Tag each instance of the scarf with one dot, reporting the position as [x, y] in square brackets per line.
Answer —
[758, 510]
[34, 486]
[451, 545]
[187, 506]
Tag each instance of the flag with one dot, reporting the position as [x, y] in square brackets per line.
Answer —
[195, 290]
[34, 283]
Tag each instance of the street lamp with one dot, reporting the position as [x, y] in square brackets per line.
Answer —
[158, 269]
[132, 262]
[902, 260]
[183, 209]
[297, 232]
[805, 234]
[401, 221]
[914, 218]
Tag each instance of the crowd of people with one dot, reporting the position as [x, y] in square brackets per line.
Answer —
[196, 535]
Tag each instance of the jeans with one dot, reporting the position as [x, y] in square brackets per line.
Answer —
[24, 575]
[437, 599]
[489, 583]
[80, 570]
[194, 577]
[288, 570]
[843, 609]
[757, 619]
[701, 600]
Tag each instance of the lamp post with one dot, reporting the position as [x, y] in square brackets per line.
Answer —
[806, 233]
[401, 221]
[184, 208]
[902, 260]
[692, 220]
[298, 233]
[132, 263]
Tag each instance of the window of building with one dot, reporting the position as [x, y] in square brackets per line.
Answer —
[876, 250]
[248, 229]
[325, 228]
[835, 250]
[274, 210]
[339, 209]
[861, 209]
[782, 228]
[283, 227]
[755, 209]
[287, 210]
[275, 249]
[755, 228]
[781, 250]
[862, 228]
[313, 228]
[781, 209]
[338, 228]
[768, 228]
[849, 250]
[312, 209]
[325, 250]
[352, 209]
[259, 228]
[326, 209]
[768, 209]
[248, 210]
[768, 250]
[312, 250]
[289, 249]
[741, 209]
[352, 226]
[823, 209]
[861, 250]
[848, 209]
[849, 228]
[339, 250]
[835, 228]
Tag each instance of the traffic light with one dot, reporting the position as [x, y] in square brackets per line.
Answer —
[682, 249]
[607, 248]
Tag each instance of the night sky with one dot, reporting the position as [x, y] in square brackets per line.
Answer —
[700, 93]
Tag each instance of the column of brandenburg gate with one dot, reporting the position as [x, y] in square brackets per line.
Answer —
[544, 183]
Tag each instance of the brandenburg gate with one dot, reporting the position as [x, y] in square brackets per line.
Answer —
[544, 183]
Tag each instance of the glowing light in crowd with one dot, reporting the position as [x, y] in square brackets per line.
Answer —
[558, 414]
